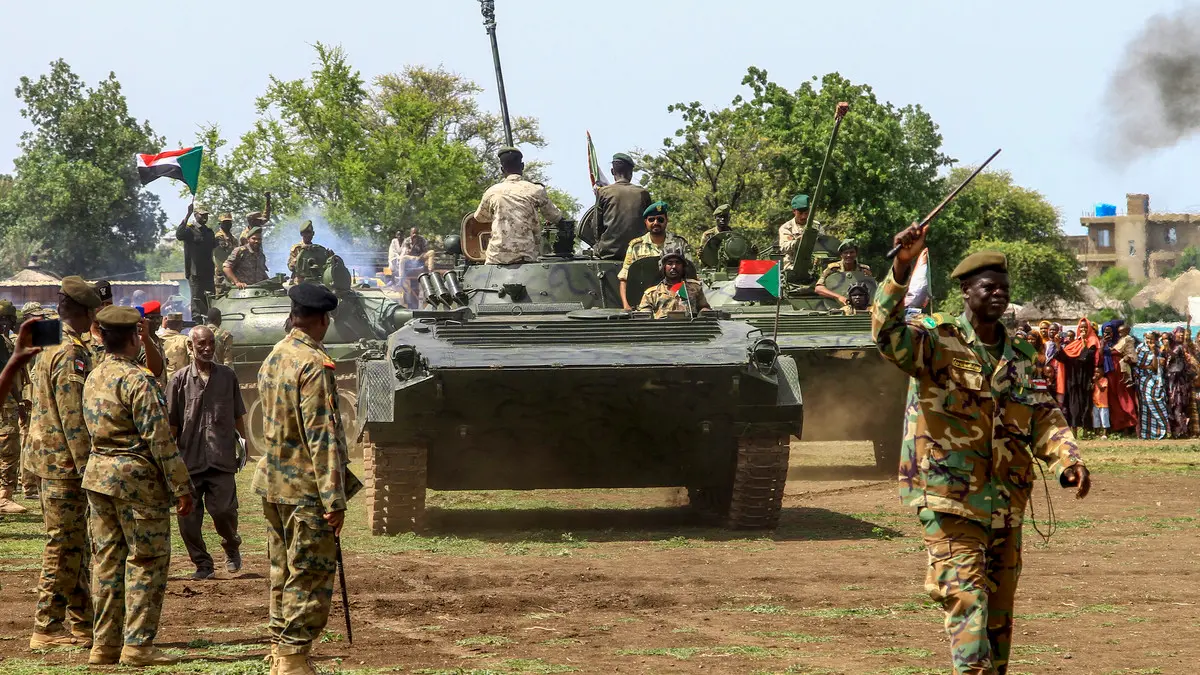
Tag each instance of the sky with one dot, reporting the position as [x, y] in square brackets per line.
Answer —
[1027, 76]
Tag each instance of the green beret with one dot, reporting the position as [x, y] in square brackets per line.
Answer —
[721, 210]
[256, 218]
[307, 226]
[978, 262]
[251, 231]
[75, 288]
[116, 316]
[658, 208]
[509, 150]
[800, 202]
[7, 309]
[623, 157]
[313, 296]
[847, 245]
[201, 211]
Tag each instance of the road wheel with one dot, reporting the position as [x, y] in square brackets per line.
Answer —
[758, 482]
[396, 477]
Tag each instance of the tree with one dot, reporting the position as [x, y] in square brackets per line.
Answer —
[75, 194]
[1115, 283]
[1189, 258]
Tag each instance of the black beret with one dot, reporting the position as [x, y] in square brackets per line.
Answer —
[313, 296]
[104, 290]
[509, 150]
[115, 316]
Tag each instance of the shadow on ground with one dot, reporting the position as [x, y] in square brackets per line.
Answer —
[847, 472]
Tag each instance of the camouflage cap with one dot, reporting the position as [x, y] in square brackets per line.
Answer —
[658, 208]
[116, 316]
[722, 210]
[672, 252]
[31, 307]
[306, 226]
[256, 218]
[175, 316]
[201, 211]
[7, 309]
[225, 218]
[624, 157]
[800, 202]
[980, 262]
[75, 288]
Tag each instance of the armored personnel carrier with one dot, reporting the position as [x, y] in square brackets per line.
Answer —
[258, 318]
[531, 376]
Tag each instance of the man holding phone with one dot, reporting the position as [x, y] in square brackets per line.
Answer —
[58, 449]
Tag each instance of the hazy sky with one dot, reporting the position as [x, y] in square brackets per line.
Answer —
[1026, 76]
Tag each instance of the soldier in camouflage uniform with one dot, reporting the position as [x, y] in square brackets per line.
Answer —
[306, 257]
[665, 298]
[721, 214]
[134, 476]
[58, 451]
[977, 417]
[247, 264]
[650, 245]
[224, 241]
[848, 252]
[223, 338]
[791, 231]
[303, 479]
[177, 349]
[512, 207]
[10, 413]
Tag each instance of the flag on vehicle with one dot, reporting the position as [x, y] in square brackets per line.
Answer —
[182, 165]
[680, 289]
[594, 170]
[917, 296]
[756, 281]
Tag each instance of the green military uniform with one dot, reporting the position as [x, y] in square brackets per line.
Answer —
[134, 476]
[223, 352]
[249, 265]
[57, 453]
[722, 210]
[839, 268]
[307, 261]
[302, 475]
[224, 242]
[975, 420]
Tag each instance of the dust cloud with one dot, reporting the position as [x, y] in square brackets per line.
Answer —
[1153, 97]
[279, 239]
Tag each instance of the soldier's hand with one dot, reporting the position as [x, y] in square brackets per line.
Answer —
[24, 350]
[240, 285]
[911, 241]
[183, 505]
[335, 520]
[1079, 477]
[191, 208]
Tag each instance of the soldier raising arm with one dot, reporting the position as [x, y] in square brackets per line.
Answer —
[975, 422]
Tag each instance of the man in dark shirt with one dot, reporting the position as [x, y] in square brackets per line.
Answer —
[204, 407]
[198, 243]
[620, 208]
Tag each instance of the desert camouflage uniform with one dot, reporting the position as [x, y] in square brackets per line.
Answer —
[836, 268]
[662, 300]
[789, 238]
[10, 435]
[303, 254]
[512, 207]
[248, 266]
[973, 426]
[644, 247]
[57, 452]
[302, 475]
[133, 478]
[177, 353]
[223, 353]
[223, 245]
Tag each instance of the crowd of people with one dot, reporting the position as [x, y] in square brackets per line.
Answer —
[1106, 380]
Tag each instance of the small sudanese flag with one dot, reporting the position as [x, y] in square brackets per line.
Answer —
[182, 165]
[756, 281]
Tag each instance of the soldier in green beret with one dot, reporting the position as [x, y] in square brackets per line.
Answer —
[721, 215]
[848, 252]
[791, 231]
[620, 207]
[650, 245]
[978, 416]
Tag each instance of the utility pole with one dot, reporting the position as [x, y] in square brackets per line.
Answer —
[488, 7]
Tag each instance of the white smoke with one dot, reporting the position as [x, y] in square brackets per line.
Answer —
[358, 255]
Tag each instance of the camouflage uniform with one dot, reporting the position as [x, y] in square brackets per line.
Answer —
[973, 426]
[838, 268]
[176, 352]
[302, 256]
[223, 245]
[512, 207]
[57, 453]
[224, 345]
[10, 436]
[644, 247]
[302, 475]
[250, 267]
[662, 300]
[709, 234]
[133, 478]
[789, 238]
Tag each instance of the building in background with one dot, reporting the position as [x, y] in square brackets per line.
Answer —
[1143, 243]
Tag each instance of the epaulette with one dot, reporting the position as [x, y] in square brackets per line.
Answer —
[1022, 345]
[329, 364]
[935, 320]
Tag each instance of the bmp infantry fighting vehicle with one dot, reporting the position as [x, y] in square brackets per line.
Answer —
[532, 376]
[258, 318]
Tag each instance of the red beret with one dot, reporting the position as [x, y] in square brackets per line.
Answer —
[152, 307]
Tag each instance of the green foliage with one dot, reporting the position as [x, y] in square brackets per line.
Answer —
[1115, 283]
[75, 197]
[166, 257]
[1157, 312]
[1189, 258]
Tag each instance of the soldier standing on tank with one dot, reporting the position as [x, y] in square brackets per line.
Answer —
[223, 338]
[58, 451]
[976, 419]
[649, 245]
[198, 245]
[721, 215]
[620, 206]
[791, 231]
[134, 476]
[666, 297]
[255, 219]
[247, 264]
[10, 413]
[848, 252]
[306, 256]
[224, 242]
[177, 347]
[512, 207]
[303, 479]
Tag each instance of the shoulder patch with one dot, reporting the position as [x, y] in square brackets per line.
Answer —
[80, 366]
[1022, 345]
[329, 364]
[966, 364]
[929, 322]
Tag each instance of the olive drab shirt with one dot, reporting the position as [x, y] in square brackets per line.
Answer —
[250, 267]
[176, 353]
[973, 423]
[305, 459]
[644, 247]
[661, 300]
[512, 207]
[837, 267]
[620, 207]
[58, 442]
[223, 352]
[302, 256]
[223, 245]
[133, 455]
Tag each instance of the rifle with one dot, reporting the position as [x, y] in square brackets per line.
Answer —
[337, 541]
[938, 209]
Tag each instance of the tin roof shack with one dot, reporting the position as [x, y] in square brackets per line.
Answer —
[46, 291]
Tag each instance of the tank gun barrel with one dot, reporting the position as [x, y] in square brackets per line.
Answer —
[488, 8]
[808, 240]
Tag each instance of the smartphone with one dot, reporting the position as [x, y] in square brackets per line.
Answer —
[47, 332]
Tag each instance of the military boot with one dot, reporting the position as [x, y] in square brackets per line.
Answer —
[7, 506]
[59, 639]
[104, 655]
[145, 655]
[272, 659]
[295, 664]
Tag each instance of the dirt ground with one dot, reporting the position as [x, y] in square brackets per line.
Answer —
[627, 582]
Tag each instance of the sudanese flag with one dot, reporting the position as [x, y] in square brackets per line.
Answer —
[182, 165]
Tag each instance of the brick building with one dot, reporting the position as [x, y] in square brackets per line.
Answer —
[1145, 244]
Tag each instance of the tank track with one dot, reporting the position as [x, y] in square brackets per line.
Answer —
[396, 477]
[758, 481]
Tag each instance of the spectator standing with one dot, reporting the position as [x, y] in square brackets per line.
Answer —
[1100, 419]
[1078, 358]
[1152, 390]
[204, 409]
[1179, 376]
